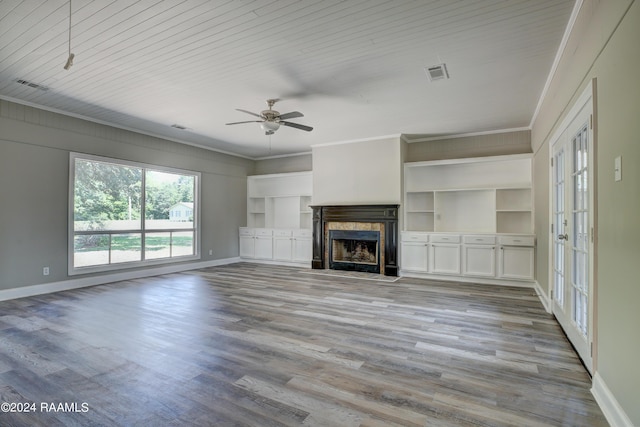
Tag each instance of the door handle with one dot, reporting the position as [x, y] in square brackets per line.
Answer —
[563, 236]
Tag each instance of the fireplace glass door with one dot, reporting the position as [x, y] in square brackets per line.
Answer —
[354, 250]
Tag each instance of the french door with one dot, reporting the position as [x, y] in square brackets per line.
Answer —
[572, 227]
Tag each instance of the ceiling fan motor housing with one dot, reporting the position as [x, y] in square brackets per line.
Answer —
[271, 115]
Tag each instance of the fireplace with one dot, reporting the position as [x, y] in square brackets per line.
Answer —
[370, 243]
[354, 250]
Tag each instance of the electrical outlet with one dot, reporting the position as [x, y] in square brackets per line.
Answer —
[45, 271]
[210, 251]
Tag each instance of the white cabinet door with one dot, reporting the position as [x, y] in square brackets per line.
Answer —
[264, 247]
[302, 249]
[282, 248]
[479, 260]
[517, 262]
[415, 256]
[445, 258]
[247, 247]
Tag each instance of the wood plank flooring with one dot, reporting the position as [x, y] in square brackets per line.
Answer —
[258, 345]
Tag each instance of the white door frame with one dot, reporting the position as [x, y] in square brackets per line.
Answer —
[583, 107]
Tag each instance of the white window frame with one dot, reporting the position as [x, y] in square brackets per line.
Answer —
[72, 270]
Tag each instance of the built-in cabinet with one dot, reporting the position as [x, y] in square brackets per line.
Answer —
[292, 245]
[469, 218]
[256, 243]
[415, 252]
[287, 245]
[517, 257]
[495, 257]
[445, 254]
[278, 218]
[479, 255]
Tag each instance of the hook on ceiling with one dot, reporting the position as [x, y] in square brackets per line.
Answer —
[71, 55]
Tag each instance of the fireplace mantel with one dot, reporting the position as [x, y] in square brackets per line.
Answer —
[385, 214]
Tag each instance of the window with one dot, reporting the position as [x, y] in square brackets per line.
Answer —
[121, 214]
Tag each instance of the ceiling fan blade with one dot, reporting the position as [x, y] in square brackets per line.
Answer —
[297, 126]
[250, 121]
[291, 115]
[249, 112]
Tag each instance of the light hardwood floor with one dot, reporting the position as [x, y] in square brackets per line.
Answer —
[257, 345]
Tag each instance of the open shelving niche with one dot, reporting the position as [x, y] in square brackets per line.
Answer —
[279, 200]
[479, 195]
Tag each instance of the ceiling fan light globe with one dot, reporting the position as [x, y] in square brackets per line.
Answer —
[270, 127]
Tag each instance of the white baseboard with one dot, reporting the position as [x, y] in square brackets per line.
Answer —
[302, 264]
[544, 298]
[610, 407]
[46, 288]
[464, 279]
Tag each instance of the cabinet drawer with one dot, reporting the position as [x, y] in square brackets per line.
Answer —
[264, 232]
[516, 240]
[282, 233]
[302, 233]
[479, 240]
[415, 237]
[244, 231]
[445, 238]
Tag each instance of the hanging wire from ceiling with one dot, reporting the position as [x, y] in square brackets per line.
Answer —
[71, 55]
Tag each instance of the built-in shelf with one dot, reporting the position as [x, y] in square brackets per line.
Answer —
[419, 221]
[279, 201]
[483, 195]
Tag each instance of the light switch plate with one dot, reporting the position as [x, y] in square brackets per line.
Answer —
[617, 168]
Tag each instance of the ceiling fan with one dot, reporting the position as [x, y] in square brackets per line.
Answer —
[272, 119]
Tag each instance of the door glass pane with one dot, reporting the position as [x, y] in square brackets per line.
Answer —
[559, 219]
[580, 238]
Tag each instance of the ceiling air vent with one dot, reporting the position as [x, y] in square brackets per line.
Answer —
[32, 85]
[437, 72]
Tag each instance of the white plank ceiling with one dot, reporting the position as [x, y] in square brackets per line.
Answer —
[355, 68]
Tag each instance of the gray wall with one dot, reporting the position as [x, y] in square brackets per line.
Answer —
[604, 46]
[298, 163]
[496, 144]
[34, 176]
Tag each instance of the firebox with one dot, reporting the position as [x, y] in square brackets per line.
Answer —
[354, 250]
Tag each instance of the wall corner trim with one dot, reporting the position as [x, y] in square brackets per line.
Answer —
[544, 298]
[610, 407]
[65, 285]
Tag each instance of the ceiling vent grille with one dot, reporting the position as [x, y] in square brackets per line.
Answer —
[32, 85]
[437, 72]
